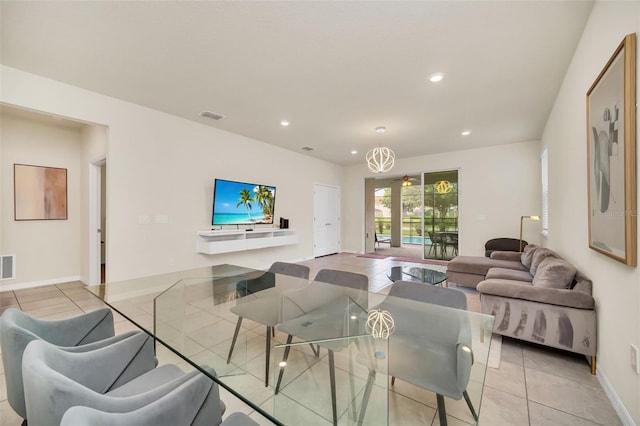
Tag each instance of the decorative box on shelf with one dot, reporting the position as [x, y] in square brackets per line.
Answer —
[225, 241]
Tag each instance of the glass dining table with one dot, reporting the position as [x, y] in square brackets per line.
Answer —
[336, 366]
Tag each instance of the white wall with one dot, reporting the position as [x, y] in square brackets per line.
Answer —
[162, 164]
[45, 250]
[616, 286]
[497, 185]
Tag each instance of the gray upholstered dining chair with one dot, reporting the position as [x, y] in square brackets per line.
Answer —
[442, 361]
[263, 308]
[118, 378]
[17, 329]
[328, 311]
[153, 414]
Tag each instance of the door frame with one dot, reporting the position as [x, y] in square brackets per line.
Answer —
[95, 239]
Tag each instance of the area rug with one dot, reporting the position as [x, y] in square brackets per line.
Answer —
[373, 256]
[424, 261]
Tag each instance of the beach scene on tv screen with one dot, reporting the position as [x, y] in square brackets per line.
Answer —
[242, 203]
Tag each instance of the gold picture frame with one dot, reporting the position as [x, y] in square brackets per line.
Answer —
[611, 156]
[40, 193]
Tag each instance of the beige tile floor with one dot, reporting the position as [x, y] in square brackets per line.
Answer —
[532, 386]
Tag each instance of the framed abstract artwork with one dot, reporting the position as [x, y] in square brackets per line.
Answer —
[40, 193]
[611, 156]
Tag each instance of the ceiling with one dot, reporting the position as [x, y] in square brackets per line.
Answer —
[335, 70]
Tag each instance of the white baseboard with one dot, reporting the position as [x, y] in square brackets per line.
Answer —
[622, 411]
[32, 284]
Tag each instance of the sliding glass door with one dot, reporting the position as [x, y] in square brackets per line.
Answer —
[440, 215]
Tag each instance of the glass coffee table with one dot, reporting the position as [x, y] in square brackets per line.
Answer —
[417, 274]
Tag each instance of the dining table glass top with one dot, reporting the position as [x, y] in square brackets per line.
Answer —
[341, 349]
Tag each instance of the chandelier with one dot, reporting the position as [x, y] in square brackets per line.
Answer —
[443, 187]
[380, 159]
[380, 324]
[406, 181]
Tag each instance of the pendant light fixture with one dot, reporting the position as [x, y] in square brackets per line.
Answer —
[380, 159]
[406, 181]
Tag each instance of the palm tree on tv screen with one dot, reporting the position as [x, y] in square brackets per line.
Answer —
[245, 199]
[264, 197]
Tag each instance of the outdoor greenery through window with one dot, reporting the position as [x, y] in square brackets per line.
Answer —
[383, 212]
[441, 214]
[429, 214]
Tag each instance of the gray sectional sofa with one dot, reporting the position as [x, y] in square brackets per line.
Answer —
[535, 296]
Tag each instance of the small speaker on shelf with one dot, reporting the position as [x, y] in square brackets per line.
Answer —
[284, 223]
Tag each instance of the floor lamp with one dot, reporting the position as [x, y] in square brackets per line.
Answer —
[522, 218]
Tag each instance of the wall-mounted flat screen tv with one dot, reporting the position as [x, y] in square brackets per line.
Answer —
[240, 203]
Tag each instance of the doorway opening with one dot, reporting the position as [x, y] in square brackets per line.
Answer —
[97, 222]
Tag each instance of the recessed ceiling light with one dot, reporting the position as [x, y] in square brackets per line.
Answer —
[353, 151]
[381, 129]
[284, 123]
[434, 78]
[466, 132]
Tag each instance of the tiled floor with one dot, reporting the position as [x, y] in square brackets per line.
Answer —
[532, 386]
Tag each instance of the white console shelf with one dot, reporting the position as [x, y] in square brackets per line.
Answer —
[226, 241]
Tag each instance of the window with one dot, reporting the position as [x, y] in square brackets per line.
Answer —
[545, 192]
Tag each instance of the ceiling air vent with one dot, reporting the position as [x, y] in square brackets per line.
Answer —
[212, 115]
[308, 148]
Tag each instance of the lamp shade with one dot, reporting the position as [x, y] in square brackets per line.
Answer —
[380, 159]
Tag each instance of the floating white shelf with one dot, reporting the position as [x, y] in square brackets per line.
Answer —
[226, 241]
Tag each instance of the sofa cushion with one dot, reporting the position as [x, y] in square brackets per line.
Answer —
[527, 255]
[480, 265]
[514, 256]
[554, 273]
[509, 274]
[538, 256]
[526, 291]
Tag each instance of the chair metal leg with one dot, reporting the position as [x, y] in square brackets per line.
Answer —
[284, 360]
[316, 352]
[442, 412]
[367, 394]
[235, 336]
[332, 379]
[470, 405]
[593, 365]
[268, 356]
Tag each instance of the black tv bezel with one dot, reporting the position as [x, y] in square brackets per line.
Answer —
[213, 204]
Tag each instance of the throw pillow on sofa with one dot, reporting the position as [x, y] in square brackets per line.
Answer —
[527, 255]
[554, 272]
[539, 255]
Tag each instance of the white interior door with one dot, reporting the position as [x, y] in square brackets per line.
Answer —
[326, 220]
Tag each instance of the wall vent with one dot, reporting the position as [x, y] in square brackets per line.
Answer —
[212, 115]
[7, 267]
